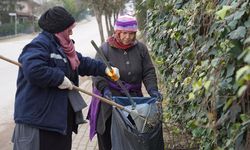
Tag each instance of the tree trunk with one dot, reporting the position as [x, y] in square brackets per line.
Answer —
[110, 24]
[98, 16]
[107, 24]
[114, 17]
[141, 18]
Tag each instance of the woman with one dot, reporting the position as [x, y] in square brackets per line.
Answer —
[123, 51]
[44, 110]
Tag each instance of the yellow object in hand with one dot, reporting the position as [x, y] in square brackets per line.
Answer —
[113, 73]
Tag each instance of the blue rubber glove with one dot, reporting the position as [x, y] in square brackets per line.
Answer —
[107, 93]
[156, 94]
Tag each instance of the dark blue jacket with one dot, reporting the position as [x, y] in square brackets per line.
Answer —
[39, 102]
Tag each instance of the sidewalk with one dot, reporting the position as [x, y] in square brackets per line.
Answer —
[81, 140]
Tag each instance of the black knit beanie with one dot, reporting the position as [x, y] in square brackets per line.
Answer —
[55, 20]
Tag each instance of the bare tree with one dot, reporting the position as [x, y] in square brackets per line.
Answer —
[112, 9]
[108, 8]
[108, 14]
[98, 6]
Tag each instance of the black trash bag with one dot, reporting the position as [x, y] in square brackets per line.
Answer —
[124, 133]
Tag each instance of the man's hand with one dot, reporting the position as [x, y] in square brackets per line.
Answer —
[113, 74]
[66, 84]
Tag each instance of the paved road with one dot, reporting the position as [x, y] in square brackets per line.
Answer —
[83, 33]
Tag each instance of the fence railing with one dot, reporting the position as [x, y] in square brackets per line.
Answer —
[8, 29]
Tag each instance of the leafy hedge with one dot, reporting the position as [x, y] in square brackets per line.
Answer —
[202, 49]
[9, 28]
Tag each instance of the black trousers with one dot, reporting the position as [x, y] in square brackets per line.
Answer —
[54, 141]
[50, 140]
[104, 140]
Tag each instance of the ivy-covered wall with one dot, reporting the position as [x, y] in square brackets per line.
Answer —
[202, 49]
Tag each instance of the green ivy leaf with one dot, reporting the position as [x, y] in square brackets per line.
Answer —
[222, 13]
[191, 96]
[235, 109]
[247, 57]
[159, 60]
[208, 44]
[235, 48]
[168, 6]
[229, 142]
[197, 132]
[215, 62]
[244, 117]
[246, 123]
[238, 34]
[242, 54]
[176, 130]
[247, 40]
[197, 85]
[239, 140]
[192, 124]
[242, 74]
[232, 24]
[239, 14]
[228, 104]
[207, 84]
[241, 90]
[247, 23]
[230, 70]
[187, 81]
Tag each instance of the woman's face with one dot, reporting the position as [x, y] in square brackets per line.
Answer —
[127, 37]
[70, 31]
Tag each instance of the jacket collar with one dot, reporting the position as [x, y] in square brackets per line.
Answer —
[53, 39]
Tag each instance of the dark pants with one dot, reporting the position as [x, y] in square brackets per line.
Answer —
[50, 140]
[54, 141]
[104, 140]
